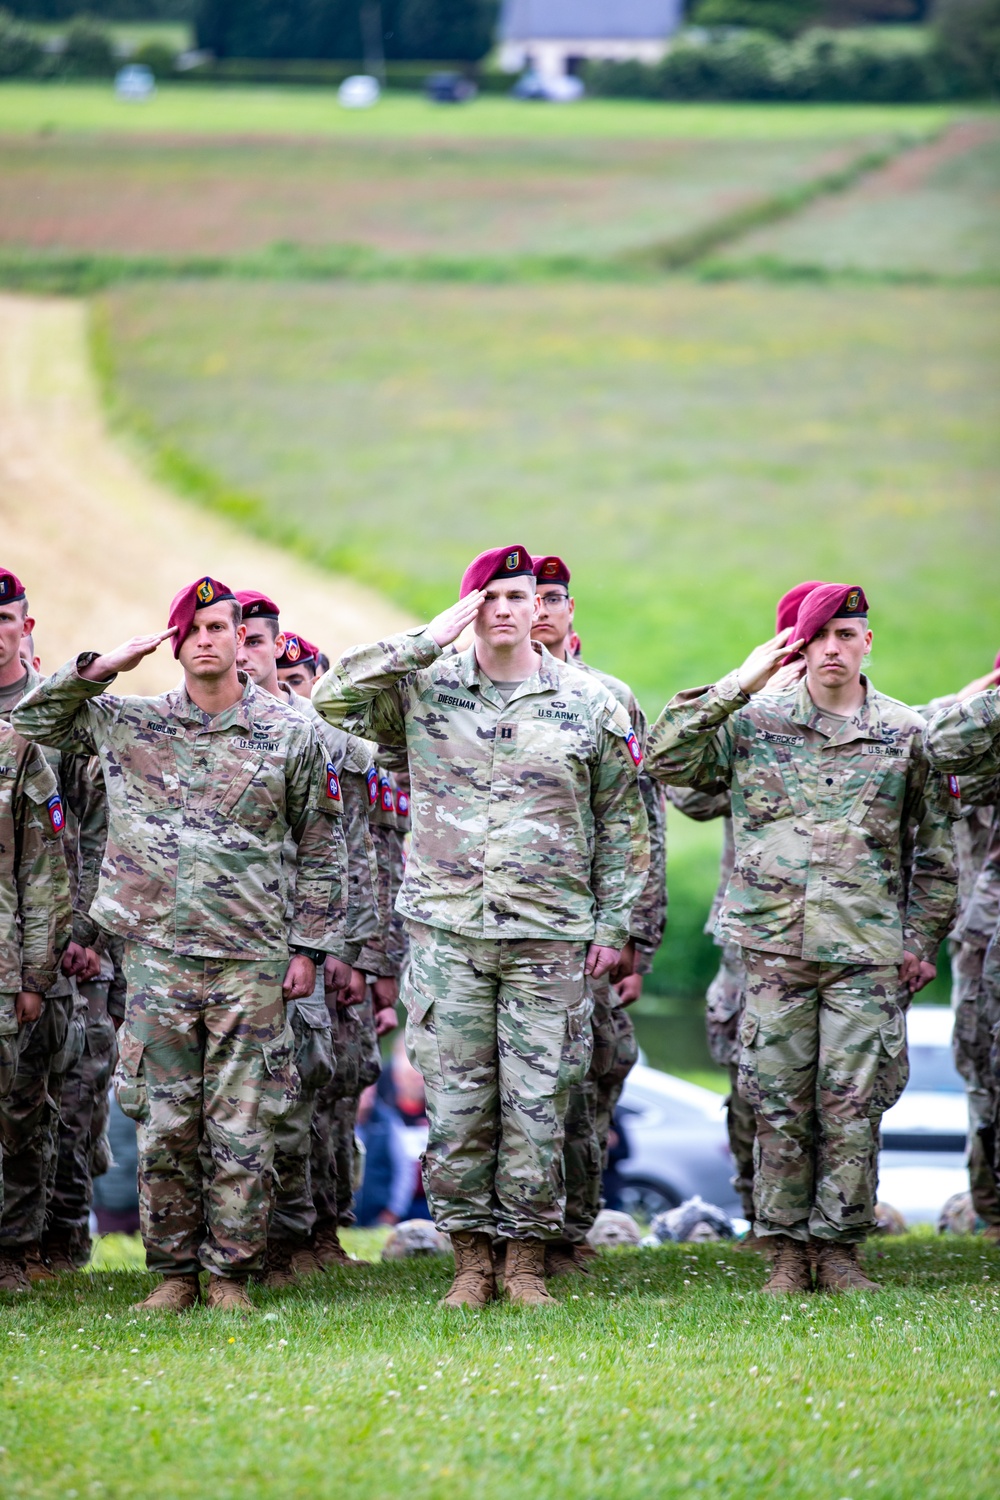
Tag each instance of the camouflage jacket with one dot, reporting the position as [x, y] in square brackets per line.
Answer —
[705, 807]
[198, 808]
[527, 818]
[820, 808]
[385, 954]
[34, 883]
[351, 759]
[963, 739]
[649, 915]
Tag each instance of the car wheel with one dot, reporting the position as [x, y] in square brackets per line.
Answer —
[643, 1198]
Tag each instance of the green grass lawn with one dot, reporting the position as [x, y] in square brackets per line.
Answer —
[663, 1374]
[26, 108]
[940, 218]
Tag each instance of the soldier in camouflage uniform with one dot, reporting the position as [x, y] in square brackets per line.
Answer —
[34, 925]
[827, 779]
[364, 1008]
[295, 1233]
[592, 1103]
[528, 853]
[203, 785]
[964, 740]
[52, 1046]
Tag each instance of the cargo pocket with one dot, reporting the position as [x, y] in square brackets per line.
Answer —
[9, 1030]
[421, 1036]
[578, 1044]
[130, 1081]
[280, 1086]
[314, 1058]
[749, 1080]
[893, 1071]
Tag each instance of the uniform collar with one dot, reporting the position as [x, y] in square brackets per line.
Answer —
[239, 716]
[865, 724]
[544, 679]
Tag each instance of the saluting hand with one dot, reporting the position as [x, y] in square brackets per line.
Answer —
[449, 624]
[979, 685]
[763, 661]
[125, 657]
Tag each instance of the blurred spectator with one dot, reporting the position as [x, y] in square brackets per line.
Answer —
[116, 1194]
[388, 1183]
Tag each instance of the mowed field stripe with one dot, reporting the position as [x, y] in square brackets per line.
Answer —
[101, 547]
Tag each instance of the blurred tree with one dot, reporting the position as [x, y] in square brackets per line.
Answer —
[458, 29]
[968, 36]
[781, 17]
[105, 10]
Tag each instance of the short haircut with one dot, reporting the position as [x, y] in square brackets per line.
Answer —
[267, 620]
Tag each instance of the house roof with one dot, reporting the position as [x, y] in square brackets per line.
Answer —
[605, 20]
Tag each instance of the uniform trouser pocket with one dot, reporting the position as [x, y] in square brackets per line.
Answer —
[130, 1079]
[893, 1071]
[9, 1031]
[313, 1054]
[578, 1044]
[280, 1085]
[748, 1078]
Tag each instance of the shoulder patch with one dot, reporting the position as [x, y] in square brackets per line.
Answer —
[332, 783]
[633, 746]
[403, 804]
[954, 790]
[388, 805]
[57, 818]
[371, 776]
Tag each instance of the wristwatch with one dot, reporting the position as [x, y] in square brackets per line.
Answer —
[316, 954]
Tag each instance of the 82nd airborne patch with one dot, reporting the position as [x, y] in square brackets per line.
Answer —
[57, 818]
[633, 746]
[332, 783]
[371, 776]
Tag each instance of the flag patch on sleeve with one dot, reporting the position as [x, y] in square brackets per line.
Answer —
[57, 817]
[332, 783]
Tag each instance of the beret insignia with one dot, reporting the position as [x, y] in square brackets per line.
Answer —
[292, 648]
[205, 591]
[511, 561]
[57, 818]
[853, 599]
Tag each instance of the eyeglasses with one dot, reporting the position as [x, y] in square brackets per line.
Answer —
[551, 601]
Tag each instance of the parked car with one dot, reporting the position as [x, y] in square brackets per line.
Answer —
[676, 1133]
[924, 1135]
[449, 88]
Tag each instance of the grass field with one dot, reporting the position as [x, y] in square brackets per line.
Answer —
[935, 212]
[664, 1374]
[254, 112]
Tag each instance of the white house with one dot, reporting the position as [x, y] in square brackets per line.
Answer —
[555, 36]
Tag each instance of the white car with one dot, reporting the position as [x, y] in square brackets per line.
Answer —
[924, 1135]
[678, 1146]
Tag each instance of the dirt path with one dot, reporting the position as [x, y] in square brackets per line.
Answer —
[911, 171]
[100, 546]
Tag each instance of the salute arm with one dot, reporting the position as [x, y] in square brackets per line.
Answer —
[67, 711]
[361, 693]
[965, 738]
[692, 740]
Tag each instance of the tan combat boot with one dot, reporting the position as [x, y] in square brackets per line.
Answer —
[175, 1294]
[228, 1294]
[330, 1252]
[13, 1272]
[57, 1252]
[278, 1272]
[305, 1262]
[475, 1283]
[36, 1265]
[563, 1258]
[524, 1279]
[837, 1269]
[790, 1271]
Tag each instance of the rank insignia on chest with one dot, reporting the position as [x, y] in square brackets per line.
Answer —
[57, 817]
[633, 746]
[387, 803]
[332, 784]
[371, 776]
[403, 804]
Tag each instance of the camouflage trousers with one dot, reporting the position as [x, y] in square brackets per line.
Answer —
[333, 1149]
[29, 1118]
[293, 1211]
[723, 1016]
[206, 1067]
[9, 1047]
[500, 1031]
[823, 1055]
[971, 1043]
[591, 1108]
[81, 1138]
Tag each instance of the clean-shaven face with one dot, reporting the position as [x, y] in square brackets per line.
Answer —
[835, 654]
[299, 679]
[15, 624]
[262, 645]
[212, 642]
[507, 613]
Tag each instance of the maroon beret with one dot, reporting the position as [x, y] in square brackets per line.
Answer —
[298, 651]
[831, 601]
[256, 605]
[501, 562]
[551, 570]
[788, 605]
[11, 587]
[196, 596]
